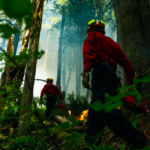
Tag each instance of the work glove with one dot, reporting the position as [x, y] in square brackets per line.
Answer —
[85, 80]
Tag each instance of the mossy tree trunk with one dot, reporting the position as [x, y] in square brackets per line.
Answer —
[5, 77]
[133, 22]
[13, 73]
[26, 100]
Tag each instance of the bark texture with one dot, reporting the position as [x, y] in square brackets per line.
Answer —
[5, 77]
[31, 67]
[133, 22]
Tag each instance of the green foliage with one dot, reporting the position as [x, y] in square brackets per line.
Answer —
[7, 31]
[20, 10]
[144, 79]
[22, 58]
[28, 142]
[74, 136]
[76, 103]
[107, 147]
[123, 146]
[15, 9]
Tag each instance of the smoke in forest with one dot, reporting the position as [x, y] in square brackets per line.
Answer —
[49, 42]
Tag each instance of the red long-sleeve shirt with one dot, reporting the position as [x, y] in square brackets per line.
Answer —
[51, 89]
[110, 51]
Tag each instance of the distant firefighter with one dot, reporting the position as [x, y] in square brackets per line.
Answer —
[100, 56]
[52, 92]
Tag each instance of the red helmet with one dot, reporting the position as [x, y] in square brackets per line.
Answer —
[49, 79]
[93, 24]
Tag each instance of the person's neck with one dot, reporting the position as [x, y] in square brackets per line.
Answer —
[50, 83]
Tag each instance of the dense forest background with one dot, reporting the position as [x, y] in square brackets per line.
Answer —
[72, 41]
[41, 39]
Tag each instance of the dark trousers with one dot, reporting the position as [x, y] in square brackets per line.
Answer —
[50, 102]
[105, 80]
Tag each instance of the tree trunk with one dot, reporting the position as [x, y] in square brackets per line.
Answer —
[16, 38]
[78, 62]
[77, 71]
[26, 100]
[5, 75]
[134, 31]
[99, 9]
[58, 83]
[70, 70]
[64, 70]
[13, 73]
[118, 38]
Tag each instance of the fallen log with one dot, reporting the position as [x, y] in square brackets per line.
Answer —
[61, 119]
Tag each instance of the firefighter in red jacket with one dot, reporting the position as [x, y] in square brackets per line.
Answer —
[100, 56]
[52, 92]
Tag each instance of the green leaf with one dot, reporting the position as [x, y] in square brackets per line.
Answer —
[75, 123]
[74, 136]
[137, 116]
[7, 31]
[27, 21]
[39, 54]
[144, 79]
[134, 122]
[17, 9]
[1, 4]
[97, 106]
[124, 88]
[120, 96]
[107, 97]
[146, 148]
[63, 125]
[115, 105]
[123, 146]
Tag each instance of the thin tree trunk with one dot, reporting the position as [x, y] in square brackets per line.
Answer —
[64, 70]
[77, 71]
[70, 70]
[58, 83]
[26, 100]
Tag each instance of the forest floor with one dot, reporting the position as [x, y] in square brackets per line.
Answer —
[60, 133]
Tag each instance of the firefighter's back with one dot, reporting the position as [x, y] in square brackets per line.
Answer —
[108, 48]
